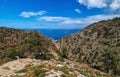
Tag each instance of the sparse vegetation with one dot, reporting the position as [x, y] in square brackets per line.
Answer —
[21, 71]
[38, 73]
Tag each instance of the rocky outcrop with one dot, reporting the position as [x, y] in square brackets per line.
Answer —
[98, 45]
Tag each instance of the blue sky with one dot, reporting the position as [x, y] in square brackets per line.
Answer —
[57, 14]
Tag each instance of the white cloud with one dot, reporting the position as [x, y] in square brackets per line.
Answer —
[93, 3]
[29, 14]
[66, 22]
[72, 21]
[77, 10]
[89, 20]
[112, 5]
[115, 5]
[52, 18]
[77, 21]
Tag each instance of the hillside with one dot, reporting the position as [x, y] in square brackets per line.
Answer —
[16, 43]
[75, 55]
[98, 45]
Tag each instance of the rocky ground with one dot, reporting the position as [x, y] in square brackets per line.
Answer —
[47, 68]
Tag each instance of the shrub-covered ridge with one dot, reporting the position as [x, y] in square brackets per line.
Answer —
[98, 45]
[20, 43]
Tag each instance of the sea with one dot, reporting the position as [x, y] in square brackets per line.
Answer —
[56, 34]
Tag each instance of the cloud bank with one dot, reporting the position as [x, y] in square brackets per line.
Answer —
[90, 19]
[52, 18]
[77, 21]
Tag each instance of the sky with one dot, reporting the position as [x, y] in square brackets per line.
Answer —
[56, 14]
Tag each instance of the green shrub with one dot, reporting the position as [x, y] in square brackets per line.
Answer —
[112, 61]
[11, 53]
[38, 73]
[29, 39]
[64, 68]
[21, 71]
[32, 38]
[60, 59]
[64, 53]
[24, 47]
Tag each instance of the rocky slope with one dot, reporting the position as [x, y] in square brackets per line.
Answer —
[48, 68]
[98, 45]
[20, 43]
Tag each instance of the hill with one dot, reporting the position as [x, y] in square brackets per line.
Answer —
[75, 55]
[98, 45]
[16, 43]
